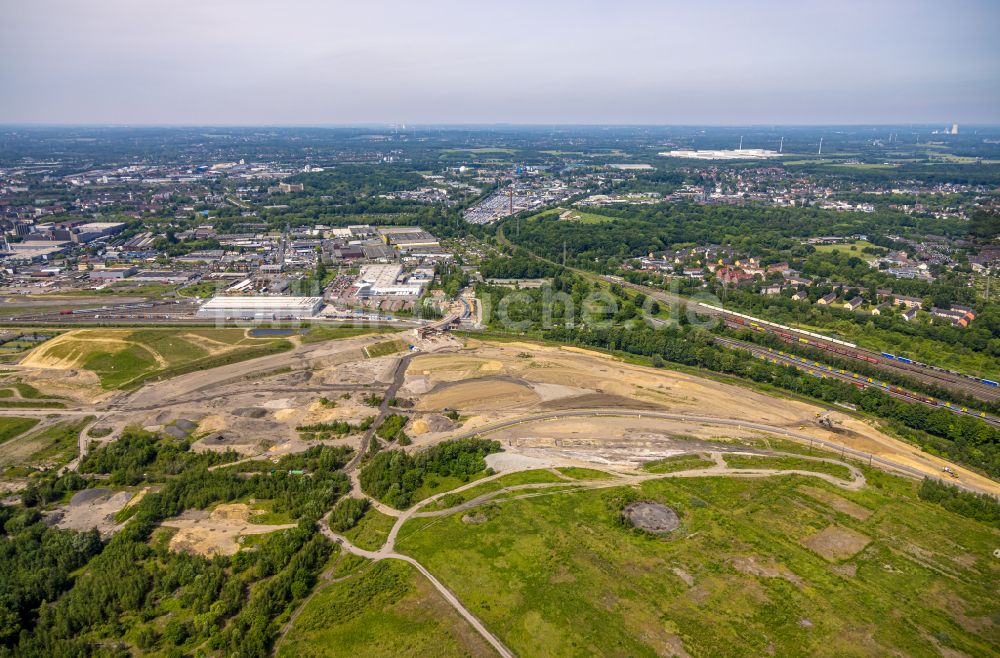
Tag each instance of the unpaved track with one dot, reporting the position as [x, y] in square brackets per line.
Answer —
[388, 552]
[383, 410]
[299, 357]
[981, 484]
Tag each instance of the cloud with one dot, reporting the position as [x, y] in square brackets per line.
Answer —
[631, 61]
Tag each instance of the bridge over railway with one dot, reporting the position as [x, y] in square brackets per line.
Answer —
[440, 325]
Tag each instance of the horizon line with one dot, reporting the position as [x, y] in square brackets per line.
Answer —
[416, 126]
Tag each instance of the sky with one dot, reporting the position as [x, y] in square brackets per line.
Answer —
[418, 62]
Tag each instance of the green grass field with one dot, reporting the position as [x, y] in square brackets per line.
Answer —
[785, 566]
[11, 426]
[584, 217]
[371, 531]
[386, 348]
[434, 484]
[319, 334]
[124, 358]
[485, 150]
[787, 463]
[50, 446]
[677, 463]
[9, 403]
[16, 394]
[519, 477]
[584, 473]
[589, 217]
[853, 247]
[386, 609]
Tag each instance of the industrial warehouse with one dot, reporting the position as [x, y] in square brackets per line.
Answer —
[261, 307]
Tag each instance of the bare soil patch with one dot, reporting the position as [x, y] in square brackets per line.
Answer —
[217, 532]
[430, 423]
[485, 393]
[764, 567]
[82, 385]
[599, 401]
[836, 543]
[94, 508]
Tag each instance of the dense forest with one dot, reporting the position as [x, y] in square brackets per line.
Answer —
[70, 594]
[393, 476]
[640, 230]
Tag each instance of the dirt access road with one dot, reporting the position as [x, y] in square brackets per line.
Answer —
[388, 549]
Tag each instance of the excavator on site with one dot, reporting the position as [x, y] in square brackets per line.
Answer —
[823, 420]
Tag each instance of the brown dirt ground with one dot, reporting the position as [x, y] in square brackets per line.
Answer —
[836, 543]
[764, 567]
[80, 385]
[216, 533]
[476, 394]
[86, 512]
[594, 373]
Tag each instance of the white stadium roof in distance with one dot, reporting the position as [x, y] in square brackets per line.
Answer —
[723, 154]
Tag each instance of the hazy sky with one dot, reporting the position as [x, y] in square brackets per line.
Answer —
[467, 61]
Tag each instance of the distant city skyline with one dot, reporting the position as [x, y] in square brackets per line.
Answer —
[307, 62]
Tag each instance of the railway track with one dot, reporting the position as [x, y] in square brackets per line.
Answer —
[978, 388]
[861, 381]
[958, 382]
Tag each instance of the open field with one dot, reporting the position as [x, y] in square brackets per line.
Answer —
[789, 463]
[757, 564]
[584, 217]
[386, 348]
[512, 479]
[385, 609]
[578, 473]
[52, 445]
[96, 508]
[784, 566]
[676, 463]
[853, 248]
[123, 357]
[486, 150]
[12, 426]
[318, 334]
[371, 531]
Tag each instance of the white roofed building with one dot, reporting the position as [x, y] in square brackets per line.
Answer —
[261, 307]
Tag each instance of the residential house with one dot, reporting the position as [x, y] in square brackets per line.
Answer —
[908, 302]
[798, 281]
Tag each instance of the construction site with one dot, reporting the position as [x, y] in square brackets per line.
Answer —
[543, 402]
